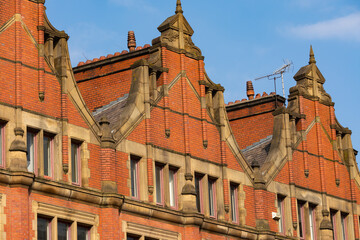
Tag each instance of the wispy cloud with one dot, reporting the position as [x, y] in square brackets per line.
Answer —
[139, 4]
[343, 28]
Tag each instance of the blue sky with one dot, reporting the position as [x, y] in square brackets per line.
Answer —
[240, 39]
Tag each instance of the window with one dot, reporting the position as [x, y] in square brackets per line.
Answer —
[334, 223]
[75, 162]
[301, 220]
[344, 226]
[63, 230]
[281, 212]
[134, 174]
[212, 197]
[48, 157]
[65, 223]
[199, 189]
[2, 146]
[159, 178]
[234, 202]
[31, 138]
[83, 233]
[172, 187]
[312, 222]
[43, 228]
[132, 237]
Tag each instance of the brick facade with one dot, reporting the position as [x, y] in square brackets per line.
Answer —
[140, 145]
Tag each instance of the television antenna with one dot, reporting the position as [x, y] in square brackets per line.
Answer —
[279, 73]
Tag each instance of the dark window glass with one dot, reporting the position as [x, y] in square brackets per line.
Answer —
[211, 191]
[159, 183]
[198, 192]
[301, 219]
[47, 155]
[132, 237]
[234, 207]
[63, 231]
[1, 144]
[74, 162]
[43, 228]
[83, 233]
[30, 151]
[134, 176]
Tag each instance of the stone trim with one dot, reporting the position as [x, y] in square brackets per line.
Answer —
[146, 231]
[37, 1]
[182, 114]
[27, 66]
[2, 216]
[73, 215]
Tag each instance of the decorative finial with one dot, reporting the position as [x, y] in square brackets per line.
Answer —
[178, 7]
[312, 56]
[131, 41]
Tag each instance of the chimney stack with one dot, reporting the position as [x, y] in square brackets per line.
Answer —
[131, 41]
[250, 90]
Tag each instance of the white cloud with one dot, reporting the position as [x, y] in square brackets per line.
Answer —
[343, 28]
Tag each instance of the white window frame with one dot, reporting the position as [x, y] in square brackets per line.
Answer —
[212, 197]
[199, 183]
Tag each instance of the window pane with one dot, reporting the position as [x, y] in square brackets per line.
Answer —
[74, 162]
[233, 196]
[198, 192]
[30, 151]
[134, 189]
[43, 229]
[312, 222]
[211, 197]
[63, 231]
[158, 179]
[47, 156]
[301, 221]
[280, 203]
[172, 187]
[343, 226]
[132, 237]
[83, 233]
[1, 144]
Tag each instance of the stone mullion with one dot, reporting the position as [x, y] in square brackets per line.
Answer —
[166, 93]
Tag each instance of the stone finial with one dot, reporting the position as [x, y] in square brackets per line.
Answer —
[312, 56]
[250, 90]
[178, 7]
[131, 41]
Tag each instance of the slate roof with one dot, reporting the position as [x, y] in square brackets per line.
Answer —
[112, 111]
[258, 151]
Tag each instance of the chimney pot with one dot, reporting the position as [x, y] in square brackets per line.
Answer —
[250, 90]
[131, 41]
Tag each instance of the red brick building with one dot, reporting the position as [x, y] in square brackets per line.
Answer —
[140, 145]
